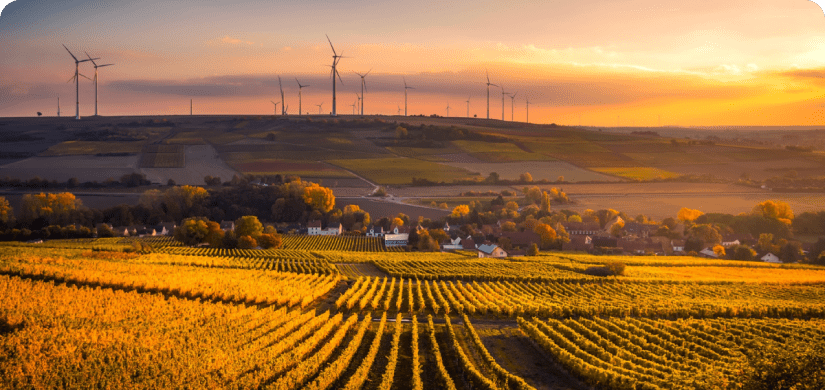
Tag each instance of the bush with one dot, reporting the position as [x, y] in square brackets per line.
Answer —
[617, 268]
[270, 240]
[246, 242]
[613, 268]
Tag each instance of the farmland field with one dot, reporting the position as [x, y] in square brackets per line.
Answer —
[637, 173]
[291, 318]
[549, 170]
[288, 167]
[403, 170]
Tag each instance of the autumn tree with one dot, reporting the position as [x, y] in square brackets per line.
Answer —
[6, 211]
[55, 209]
[319, 198]
[545, 202]
[617, 228]
[353, 218]
[574, 218]
[547, 234]
[246, 242]
[248, 226]
[270, 240]
[193, 231]
[765, 242]
[439, 235]
[688, 215]
[533, 194]
[183, 201]
[526, 177]
[460, 211]
[508, 226]
[707, 233]
[426, 243]
[719, 251]
[533, 249]
[779, 211]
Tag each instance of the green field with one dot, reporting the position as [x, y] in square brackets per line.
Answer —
[499, 152]
[395, 171]
[70, 148]
[637, 173]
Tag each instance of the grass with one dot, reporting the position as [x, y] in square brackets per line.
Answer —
[286, 167]
[73, 148]
[637, 173]
[499, 152]
[397, 171]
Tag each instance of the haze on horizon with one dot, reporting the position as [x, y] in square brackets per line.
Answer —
[629, 62]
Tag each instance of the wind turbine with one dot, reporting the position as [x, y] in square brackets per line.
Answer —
[335, 59]
[399, 110]
[405, 96]
[77, 80]
[363, 88]
[448, 109]
[275, 112]
[468, 106]
[299, 94]
[488, 94]
[58, 106]
[96, 66]
[528, 110]
[353, 107]
[319, 107]
[360, 103]
[503, 94]
[512, 104]
[283, 107]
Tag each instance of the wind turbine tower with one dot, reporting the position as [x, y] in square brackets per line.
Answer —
[319, 108]
[58, 106]
[512, 104]
[299, 94]
[468, 106]
[353, 107]
[283, 107]
[360, 103]
[335, 59]
[77, 81]
[363, 88]
[405, 96]
[448, 109]
[96, 66]
[503, 94]
[275, 111]
[488, 94]
[528, 111]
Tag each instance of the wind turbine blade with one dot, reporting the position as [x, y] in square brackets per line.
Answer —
[368, 71]
[70, 52]
[488, 76]
[364, 83]
[339, 76]
[86, 77]
[330, 45]
[90, 58]
[71, 79]
[100, 66]
[493, 85]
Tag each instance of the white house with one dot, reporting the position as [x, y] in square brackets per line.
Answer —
[678, 245]
[485, 250]
[770, 258]
[314, 229]
[728, 244]
[397, 236]
[708, 252]
[455, 243]
[375, 231]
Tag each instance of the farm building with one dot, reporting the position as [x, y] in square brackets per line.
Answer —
[314, 229]
[468, 244]
[455, 243]
[375, 231]
[581, 228]
[522, 239]
[709, 253]
[486, 250]
[397, 236]
[227, 225]
[677, 245]
[770, 258]
[578, 243]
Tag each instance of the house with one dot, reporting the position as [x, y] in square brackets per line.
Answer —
[455, 243]
[632, 246]
[121, 231]
[640, 230]
[578, 244]
[486, 250]
[166, 228]
[227, 226]
[605, 242]
[677, 245]
[522, 239]
[375, 231]
[397, 236]
[143, 231]
[770, 258]
[451, 228]
[709, 253]
[314, 229]
[581, 228]
[737, 239]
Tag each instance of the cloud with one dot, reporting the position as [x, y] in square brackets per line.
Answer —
[234, 41]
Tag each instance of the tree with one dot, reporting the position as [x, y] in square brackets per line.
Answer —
[319, 198]
[426, 243]
[400, 132]
[816, 250]
[505, 243]
[533, 194]
[193, 231]
[574, 218]
[511, 206]
[545, 203]
[248, 226]
[439, 235]
[508, 226]
[105, 231]
[694, 244]
[246, 242]
[270, 240]
[707, 233]
[533, 249]
[765, 242]
[779, 211]
[493, 178]
[212, 181]
[719, 250]
[55, 209]
[790, 253]
[460, 211]
[6, 212]
[397, 221]
[547, 234]
[526, 177]
[688, 215]
[617, 228]
[742, 252]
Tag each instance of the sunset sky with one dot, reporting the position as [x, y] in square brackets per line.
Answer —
[599, 63]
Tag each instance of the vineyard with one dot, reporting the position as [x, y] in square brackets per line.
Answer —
[343, 313]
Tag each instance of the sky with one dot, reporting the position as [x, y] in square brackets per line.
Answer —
[588, 62]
